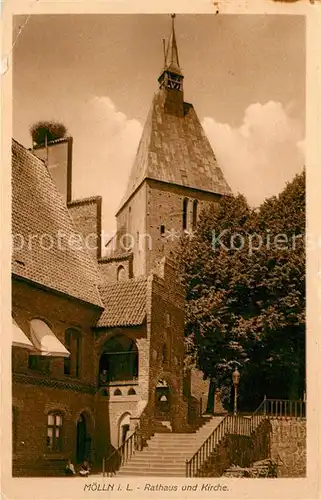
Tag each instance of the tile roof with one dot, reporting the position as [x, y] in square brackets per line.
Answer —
[40, 219]
[125, 303]
[175, 149]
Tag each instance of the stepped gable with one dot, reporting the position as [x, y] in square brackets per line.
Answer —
[125, 303]
[175, 149]
[38, 211]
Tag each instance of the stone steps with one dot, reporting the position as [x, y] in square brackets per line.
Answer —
[166, 453]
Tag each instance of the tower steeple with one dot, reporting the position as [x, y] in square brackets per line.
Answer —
[171, 77]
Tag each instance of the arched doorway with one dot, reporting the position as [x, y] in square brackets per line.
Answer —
[83, 440]
[123, 428]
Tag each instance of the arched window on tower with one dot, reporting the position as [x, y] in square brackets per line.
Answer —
[194, 220]
[185, 213]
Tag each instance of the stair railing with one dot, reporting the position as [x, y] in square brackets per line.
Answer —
[135, 442]
[283, 408]
[235, 424]
[231, 424]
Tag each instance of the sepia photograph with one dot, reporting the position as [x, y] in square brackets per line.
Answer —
[159, 247]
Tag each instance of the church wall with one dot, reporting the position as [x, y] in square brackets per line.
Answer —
[165, 208]
[131, 220]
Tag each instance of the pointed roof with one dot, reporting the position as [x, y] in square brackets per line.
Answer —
[171, 54]
[174, 149]
[47, 248]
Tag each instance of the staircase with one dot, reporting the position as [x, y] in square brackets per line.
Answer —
[191, 454]
[166, 452]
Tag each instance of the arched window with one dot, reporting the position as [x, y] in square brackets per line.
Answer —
[54, 431]
[121, 273]
[73, 343]
[194, 221]
[119, 360]
[131, 392]
[117, 392]
[185, 213]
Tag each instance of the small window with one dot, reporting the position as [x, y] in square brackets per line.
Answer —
[162, 230]
[185, 208]
[195, 204]
[121, 273]
[131, 392]
[164, 353]
[168, 320]
[54, 431]
[39, 363]
[117, 392]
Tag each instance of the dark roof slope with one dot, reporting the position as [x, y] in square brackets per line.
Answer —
[125, 303]
[47, 248]
[175, 149]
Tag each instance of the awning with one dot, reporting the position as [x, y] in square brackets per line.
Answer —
[20, 339]
[45, 341]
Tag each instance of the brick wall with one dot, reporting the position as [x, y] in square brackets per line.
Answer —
[165, 208]
[32, 403]
[157, 204]
[288, 446]
[109, 267]
[86, 215]
[35, 392]
[166, 328]
[61, 313]
[132, 220]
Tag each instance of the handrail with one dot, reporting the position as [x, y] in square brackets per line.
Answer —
[235, 424]
[287, 408]
[135, 442]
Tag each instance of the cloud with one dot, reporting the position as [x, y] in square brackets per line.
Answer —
[104, 149]
[257, 158]
[261, 155]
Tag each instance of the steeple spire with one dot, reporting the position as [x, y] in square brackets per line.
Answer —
[172, 76]
[171, 56]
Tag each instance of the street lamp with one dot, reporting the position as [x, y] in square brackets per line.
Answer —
[236, 381]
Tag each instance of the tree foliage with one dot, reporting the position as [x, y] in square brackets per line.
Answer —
[52, 130]
[244, 273]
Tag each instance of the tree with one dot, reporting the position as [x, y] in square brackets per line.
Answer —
[244, 273]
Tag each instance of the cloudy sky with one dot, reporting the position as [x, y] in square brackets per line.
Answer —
[97, 74]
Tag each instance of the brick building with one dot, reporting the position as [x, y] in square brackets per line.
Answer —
[103, 348]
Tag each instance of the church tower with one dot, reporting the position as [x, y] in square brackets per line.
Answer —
[174, 174]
